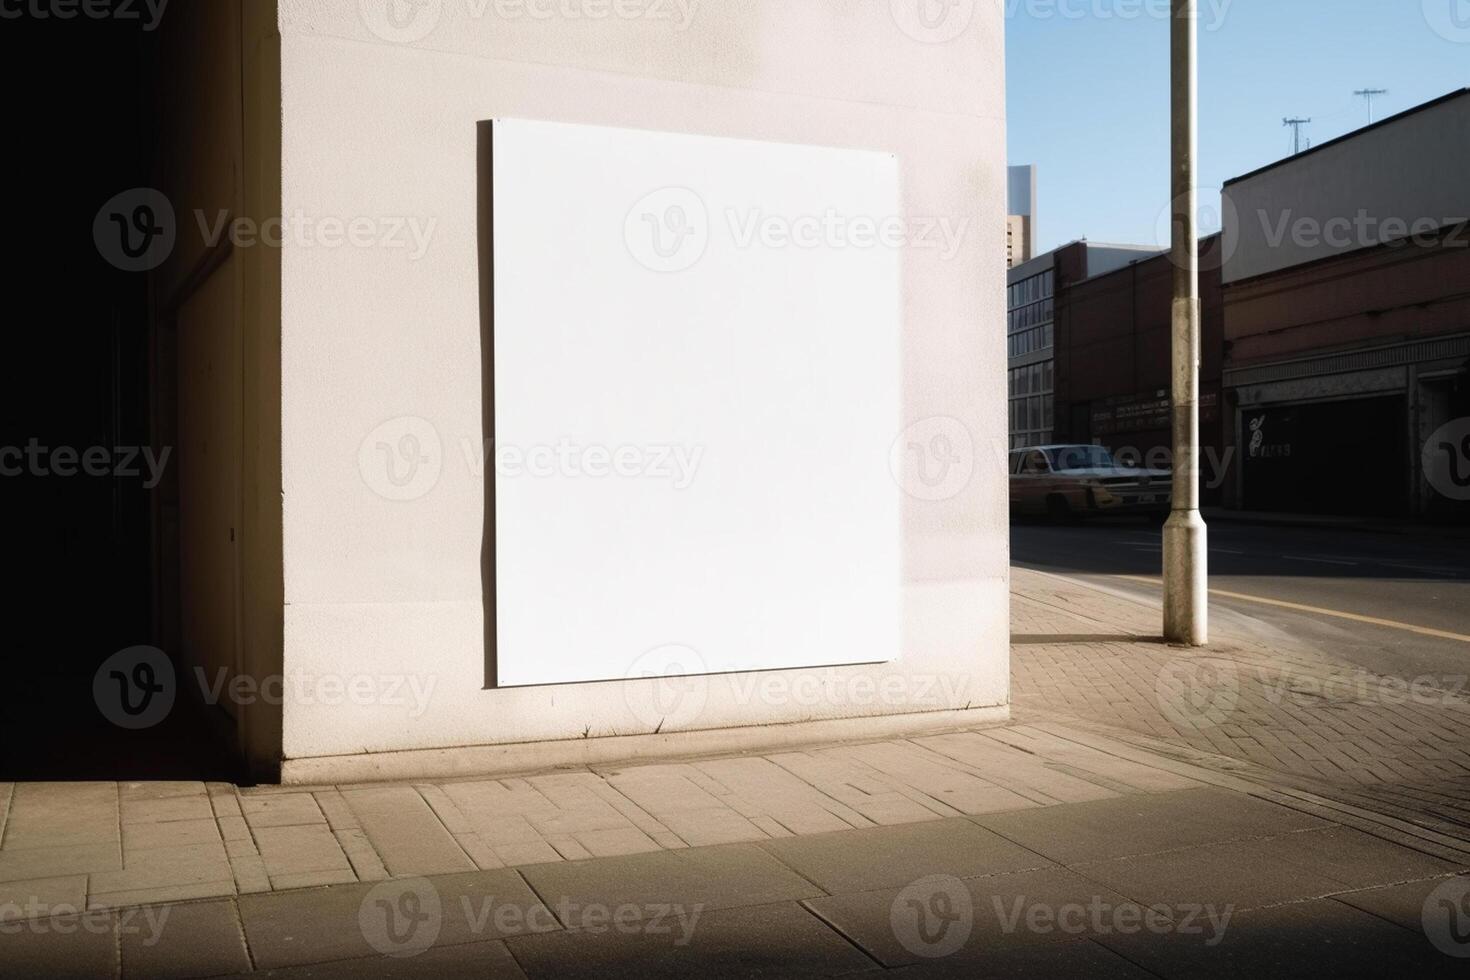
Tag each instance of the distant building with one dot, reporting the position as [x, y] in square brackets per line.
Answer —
[1021, 216]
[1112, 357]
[1347, 322]
[1036, 287]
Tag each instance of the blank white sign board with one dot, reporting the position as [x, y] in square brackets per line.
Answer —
[696, 385]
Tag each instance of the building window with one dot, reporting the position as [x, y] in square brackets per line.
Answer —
[1031, 404]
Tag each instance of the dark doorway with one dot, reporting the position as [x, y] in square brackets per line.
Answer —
[1343, 458]
[79, 408]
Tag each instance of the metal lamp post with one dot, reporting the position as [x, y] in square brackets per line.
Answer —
[1186, 611]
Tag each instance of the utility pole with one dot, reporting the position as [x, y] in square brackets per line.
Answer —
[1296, 133]
[1186, 607]
[1368, 94]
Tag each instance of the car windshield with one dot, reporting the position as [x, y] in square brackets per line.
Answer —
[1081, 458]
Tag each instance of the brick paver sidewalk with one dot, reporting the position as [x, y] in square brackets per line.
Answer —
[1286, 713]
[1053, 853]
[102, 845]
[1016, 850]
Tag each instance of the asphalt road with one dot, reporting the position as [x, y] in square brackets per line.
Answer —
[1337, 582]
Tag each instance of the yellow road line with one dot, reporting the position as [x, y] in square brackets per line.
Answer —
[1390, 623]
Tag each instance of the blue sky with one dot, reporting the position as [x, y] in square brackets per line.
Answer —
[1088, 97]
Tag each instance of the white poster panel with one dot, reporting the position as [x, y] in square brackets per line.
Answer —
[696, 387]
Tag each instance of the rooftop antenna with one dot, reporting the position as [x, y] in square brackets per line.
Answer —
[1296, 134]
[1369, 94]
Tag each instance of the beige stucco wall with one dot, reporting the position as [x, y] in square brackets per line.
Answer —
[379, 589]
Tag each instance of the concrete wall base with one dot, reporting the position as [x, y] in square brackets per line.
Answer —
[493, 761]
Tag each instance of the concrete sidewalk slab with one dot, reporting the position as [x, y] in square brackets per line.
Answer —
[938, 898]
[962, 920]
[897, 855]
[408, 916]
[780, 940]
[646, 885]
[1108, 829]
[1312, 939]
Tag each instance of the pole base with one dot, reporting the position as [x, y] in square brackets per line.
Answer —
[1186, 577]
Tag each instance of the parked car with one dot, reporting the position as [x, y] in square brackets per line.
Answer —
[1063, 482]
